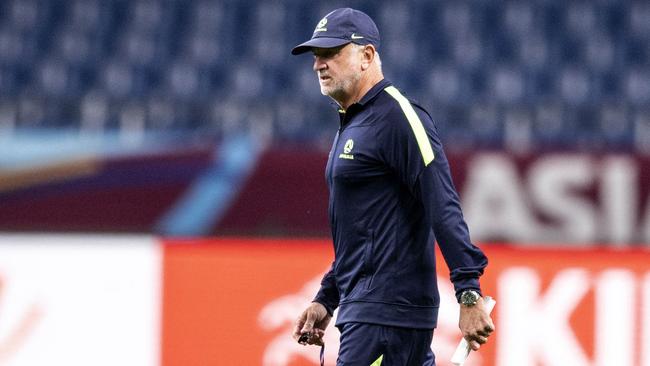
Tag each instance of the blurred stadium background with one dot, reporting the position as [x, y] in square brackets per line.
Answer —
[162, 190]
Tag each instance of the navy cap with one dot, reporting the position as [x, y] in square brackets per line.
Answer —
[340, 27]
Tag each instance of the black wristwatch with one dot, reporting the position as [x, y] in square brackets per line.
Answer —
[469, 297]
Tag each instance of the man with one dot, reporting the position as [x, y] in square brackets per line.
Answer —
[391, 197]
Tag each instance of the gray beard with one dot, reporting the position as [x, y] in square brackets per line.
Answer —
[339, 90]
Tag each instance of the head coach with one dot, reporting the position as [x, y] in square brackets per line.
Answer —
[391, 198]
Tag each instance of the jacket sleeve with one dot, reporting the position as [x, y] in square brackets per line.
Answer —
[328, 295]
[442, 209]
[425, 171]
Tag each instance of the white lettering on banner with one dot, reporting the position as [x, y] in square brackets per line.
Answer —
[21, 330]
[553, 181]
[495, 203]
[619, 194]
[550, 201]
[280, 314]
[533, 327]
[615, 318]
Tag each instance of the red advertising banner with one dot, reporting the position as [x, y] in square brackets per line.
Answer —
[233, 302]
[216, 292]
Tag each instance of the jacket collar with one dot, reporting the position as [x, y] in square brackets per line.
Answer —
[376, 89]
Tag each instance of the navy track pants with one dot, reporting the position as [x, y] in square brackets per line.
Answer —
[372, 345]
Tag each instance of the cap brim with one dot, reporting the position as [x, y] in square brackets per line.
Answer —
[320, 42]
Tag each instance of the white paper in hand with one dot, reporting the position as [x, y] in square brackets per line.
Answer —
[463, 349]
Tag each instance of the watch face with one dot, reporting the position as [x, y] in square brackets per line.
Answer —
[469, 298]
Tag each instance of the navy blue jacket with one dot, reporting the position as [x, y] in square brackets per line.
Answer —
[391, 197]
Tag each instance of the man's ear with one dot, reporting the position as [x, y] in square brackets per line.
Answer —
[368, 56]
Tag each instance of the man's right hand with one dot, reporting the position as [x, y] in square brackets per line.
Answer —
[312, 321]
[475, 324]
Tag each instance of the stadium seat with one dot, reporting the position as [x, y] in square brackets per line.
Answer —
[55, 78]
[25, 15]
[614, 125]
[598, 52]
[637, 86]
[204, 49]
[446, 84]
[507, 84]
[573, 85]
[31, 112]
[581, 18]
[183, 80]
[519, 19]
[641, 121]
[517, 129]
[94, 113]
[8, 117]
[549, 126]
[639, 19]
[8, 81]
[486, 124]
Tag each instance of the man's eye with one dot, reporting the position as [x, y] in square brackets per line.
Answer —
[327, 53]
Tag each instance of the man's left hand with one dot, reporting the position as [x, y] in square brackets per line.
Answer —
[475, 324]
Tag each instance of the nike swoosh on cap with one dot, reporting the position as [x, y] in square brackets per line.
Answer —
[354, 36]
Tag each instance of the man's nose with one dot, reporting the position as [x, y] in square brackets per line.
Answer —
[319, 64]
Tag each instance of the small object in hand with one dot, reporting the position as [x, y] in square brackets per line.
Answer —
[304, 338]
[463, 349]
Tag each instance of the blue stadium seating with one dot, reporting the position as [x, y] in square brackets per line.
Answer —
[513, 74]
